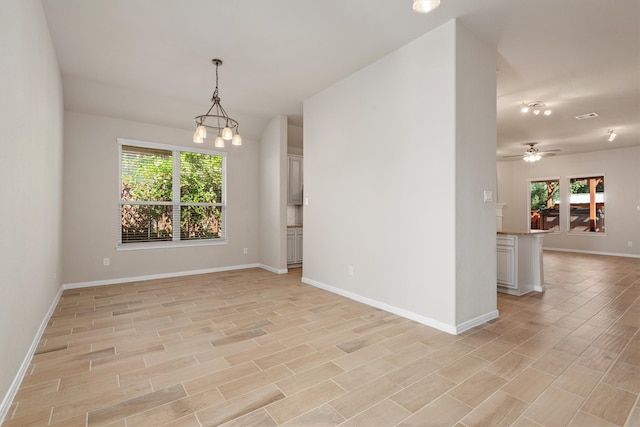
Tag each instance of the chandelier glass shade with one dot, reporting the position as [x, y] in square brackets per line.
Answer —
[217, 119]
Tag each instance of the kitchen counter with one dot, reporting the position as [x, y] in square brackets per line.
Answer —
[519, 261]
[294, 225]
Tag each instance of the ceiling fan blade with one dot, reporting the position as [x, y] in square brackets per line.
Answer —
[546, 153]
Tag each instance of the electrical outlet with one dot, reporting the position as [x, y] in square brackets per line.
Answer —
[350, 270]
[245, 251]
[629, 243]
[106, 262]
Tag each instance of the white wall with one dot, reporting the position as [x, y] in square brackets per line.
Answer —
[381, 176]
[622, 198]
[91, 213]
[31, 134]
[475, 173]
[294, 139]
[273, 195]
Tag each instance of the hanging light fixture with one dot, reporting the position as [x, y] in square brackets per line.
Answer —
[536, 108]
[425, 6]
[611, 135]
[531, 154]
[218, 120]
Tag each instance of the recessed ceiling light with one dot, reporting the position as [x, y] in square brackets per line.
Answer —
[587, 116]
[425, 6]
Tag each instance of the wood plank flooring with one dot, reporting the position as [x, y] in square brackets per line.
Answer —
[252, 348]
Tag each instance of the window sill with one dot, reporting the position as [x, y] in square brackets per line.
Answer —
[168, 245]
[586, 233]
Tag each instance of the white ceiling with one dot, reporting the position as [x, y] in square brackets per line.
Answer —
[150, 60]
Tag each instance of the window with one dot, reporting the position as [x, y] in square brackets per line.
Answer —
[544, 196]
[161, 186]
[586, 204]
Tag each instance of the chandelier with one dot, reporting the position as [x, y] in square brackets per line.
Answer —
[216, 118]
[536, 108]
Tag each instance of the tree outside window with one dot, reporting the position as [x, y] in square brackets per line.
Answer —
[160, 188]
[544, 202]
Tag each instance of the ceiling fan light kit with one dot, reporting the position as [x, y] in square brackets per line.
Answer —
[218, 120]
[531, 157]
[532, 154]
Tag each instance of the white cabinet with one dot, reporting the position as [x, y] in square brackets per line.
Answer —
[519, 263]
[294, 245]
[506, 261]
[295, 180]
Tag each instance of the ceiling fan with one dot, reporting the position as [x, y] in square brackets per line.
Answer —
[532, 154]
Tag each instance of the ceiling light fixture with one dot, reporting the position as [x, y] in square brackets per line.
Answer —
[226, 126]
[612, 135]
[531, 155]
[536, 108]
[425, 6]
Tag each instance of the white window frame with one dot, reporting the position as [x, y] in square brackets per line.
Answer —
[560, 211]
[567, 221]
[176, 203]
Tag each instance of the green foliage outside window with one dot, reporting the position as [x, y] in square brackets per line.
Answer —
[147, 181]
[544, 194]
[200, 182]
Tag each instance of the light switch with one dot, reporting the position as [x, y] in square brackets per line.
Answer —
[488, 196]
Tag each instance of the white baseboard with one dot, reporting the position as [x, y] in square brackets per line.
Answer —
[464, 326]
[155, 276]
[273, 269]
[15, 385]
[593, 252]
[454, 330]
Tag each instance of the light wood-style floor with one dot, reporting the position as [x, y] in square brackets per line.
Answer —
[251, 348]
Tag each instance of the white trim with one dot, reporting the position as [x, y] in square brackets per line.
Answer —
[454, 330]
[273, 269]
[167, 147]
[472, 323]
[15, 385]
[176, 199]
[593, 252]
[586, 233]
[567, 221]
[169, 244]
[531, 181]
[155, 276]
